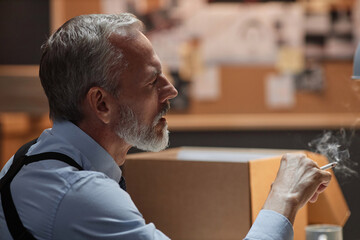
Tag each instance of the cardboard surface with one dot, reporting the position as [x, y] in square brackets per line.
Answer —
[214, 198]
[192, 200]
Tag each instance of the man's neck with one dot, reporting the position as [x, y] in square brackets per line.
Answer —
[107, 138]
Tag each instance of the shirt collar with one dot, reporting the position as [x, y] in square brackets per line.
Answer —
[99, 159]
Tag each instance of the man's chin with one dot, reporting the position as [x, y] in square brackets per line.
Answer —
[158, 143]
[157, 148]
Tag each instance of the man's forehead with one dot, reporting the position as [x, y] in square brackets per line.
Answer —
[127, 42]
[137, 51]
[135, 46]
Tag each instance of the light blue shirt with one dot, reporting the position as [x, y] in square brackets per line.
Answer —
[56, 201]
[270, 225]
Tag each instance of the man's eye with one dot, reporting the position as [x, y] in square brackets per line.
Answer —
[154, 82]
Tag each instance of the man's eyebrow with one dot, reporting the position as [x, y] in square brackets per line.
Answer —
[156, 72]
[153, 73]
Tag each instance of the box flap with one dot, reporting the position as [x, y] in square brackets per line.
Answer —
[221, 155]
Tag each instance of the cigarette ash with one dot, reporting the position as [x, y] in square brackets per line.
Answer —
[335, 145]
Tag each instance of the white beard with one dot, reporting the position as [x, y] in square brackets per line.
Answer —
[138, 135]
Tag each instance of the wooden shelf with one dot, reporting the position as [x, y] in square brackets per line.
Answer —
[276, 121]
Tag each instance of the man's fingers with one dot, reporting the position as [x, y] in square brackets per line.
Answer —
[314, 198]
[326, 177]
[322, 187]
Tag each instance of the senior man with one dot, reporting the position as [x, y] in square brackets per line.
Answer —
[107, 93]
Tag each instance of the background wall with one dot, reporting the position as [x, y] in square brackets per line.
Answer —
[25, 25]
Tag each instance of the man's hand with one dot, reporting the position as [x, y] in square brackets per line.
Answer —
[298, 181]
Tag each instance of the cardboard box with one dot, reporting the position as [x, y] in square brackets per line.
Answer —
[215, 193]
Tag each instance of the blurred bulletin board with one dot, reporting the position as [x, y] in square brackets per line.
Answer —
[243, 91]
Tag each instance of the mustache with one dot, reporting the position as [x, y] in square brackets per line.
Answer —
[164, 110]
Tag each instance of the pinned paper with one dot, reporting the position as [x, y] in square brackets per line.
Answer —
[290, 59]
[206, 85]
[280, 91]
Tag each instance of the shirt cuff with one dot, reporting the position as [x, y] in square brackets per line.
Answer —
[270, 225]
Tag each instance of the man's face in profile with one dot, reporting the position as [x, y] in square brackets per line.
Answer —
[143, 96]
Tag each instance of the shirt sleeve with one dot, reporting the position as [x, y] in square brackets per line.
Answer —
[97, 208]
[270, 225]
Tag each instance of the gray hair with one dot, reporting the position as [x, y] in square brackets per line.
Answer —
[79, 56]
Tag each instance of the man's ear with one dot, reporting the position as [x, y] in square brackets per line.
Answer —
[99, 102]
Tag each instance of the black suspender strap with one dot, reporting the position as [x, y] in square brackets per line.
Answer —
[17, 163]
[16, 228]
[52, 155]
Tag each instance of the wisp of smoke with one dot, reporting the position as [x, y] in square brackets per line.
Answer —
[335, 147]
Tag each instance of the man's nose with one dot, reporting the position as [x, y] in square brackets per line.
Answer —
[167, 91]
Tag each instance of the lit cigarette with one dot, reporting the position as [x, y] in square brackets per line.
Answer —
[328, 166]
